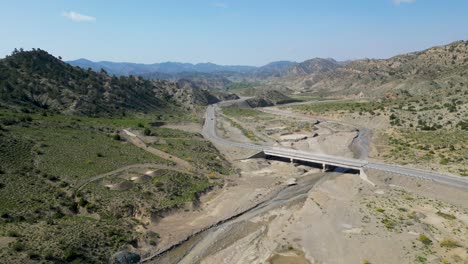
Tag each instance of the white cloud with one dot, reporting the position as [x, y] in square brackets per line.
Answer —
[220, 4]
[398, 2]
[77, 17]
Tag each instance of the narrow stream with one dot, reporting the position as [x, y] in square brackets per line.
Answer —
[218, 237]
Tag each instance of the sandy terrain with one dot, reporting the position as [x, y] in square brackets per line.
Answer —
[320, 218]
[338, 222]
[258, 180]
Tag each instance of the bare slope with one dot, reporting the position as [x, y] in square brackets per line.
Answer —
[432, 70]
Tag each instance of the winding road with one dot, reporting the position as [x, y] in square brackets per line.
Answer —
[209, 132]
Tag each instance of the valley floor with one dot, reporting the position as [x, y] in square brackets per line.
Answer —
[259, 217]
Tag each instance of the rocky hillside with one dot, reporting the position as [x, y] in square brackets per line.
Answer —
[316, 65]
[437, 69]
[37, 80]
[207, 81]
[268, 98]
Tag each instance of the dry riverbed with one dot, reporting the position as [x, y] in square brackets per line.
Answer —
[262, 216]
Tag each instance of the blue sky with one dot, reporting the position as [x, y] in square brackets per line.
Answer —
[251, 32]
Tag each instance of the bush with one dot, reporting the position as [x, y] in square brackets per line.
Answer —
[26, 118]
[83, 202]
[448, 243]
[147, 132]
[444, 161]
[389, 224]
[116, 137]
[70, 255]
[424, 239]
[9, 121]
[17, 246]
[446, 216]
[12, 233]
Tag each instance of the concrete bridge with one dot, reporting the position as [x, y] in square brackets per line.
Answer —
[323, 160]
[209, 131]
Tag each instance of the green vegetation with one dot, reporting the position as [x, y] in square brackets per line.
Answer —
[167, 190]
[343, 106]
[421, 259]
[38, 81]
[69, 153]
[449, 243]
[243, 88]
[45, 241]
[191, 147]
[446, 216]
[247, 133]
[444, 147]
[388, 223]
[235, 111]
[424, 239]
[45, 157]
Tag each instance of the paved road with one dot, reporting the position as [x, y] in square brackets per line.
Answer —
[209, 131]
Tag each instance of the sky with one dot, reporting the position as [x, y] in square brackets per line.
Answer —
[229, 32]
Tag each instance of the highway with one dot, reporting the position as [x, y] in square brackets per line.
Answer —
[209, 132]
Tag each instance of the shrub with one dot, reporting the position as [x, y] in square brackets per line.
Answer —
[17, 246]
[448, 243]
[444, 161]
[83, 202]
[147, 132]
[424, 239]
[12, 233]
[9, 121]
[26, 118]
[70, 255]
[116, 137]
[446, 216]
[389, 224]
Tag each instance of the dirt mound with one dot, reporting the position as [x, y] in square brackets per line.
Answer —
[152, 173]
[121, 186]
[141, 179]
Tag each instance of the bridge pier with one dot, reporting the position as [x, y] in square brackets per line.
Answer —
[324, 167]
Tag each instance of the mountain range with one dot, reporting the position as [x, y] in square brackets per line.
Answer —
[36, 80]
[126, 68]
[431, 71]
